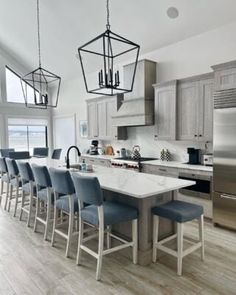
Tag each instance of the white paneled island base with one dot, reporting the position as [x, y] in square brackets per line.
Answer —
[140, 190]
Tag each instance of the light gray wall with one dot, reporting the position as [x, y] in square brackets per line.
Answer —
[189, 57]
[13, 109]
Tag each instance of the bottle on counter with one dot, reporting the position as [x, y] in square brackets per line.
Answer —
[83, 165]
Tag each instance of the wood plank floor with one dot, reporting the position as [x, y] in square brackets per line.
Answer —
[29, 265]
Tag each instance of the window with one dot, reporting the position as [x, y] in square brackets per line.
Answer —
[14, 88]
[24, 136]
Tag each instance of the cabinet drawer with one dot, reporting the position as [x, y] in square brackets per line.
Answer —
[160, 170]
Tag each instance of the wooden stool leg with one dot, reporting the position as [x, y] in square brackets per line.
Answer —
[70, 231]
[80, 240]
[49, 202]
[201, 235]
[1, 191]
[36, 214]
[108, 237]
[10, 198]
[180, 227]
[155, 237]
[135, 240]
[16, 200]
[7, 195]
[100, 243]
[54, 225]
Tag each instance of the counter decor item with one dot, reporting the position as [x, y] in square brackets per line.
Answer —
[136, 152]
[162, 155]
[109, 150]
[123, 153]
[167, 155]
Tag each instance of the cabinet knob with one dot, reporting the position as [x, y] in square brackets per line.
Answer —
[200, 135]
[195, 135]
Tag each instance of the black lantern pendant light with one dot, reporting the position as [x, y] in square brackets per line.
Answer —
[103, 55]
[40, 87]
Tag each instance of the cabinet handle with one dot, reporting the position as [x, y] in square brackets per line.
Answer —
[195, 135]
[91, 160]
[226, 196]
[161, 169]
[200, 135]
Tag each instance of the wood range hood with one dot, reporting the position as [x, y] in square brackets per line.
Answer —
[137, 107]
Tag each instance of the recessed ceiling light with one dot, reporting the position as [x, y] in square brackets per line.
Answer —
[172, 12]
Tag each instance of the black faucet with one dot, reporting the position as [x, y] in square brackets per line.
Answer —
[67, 155]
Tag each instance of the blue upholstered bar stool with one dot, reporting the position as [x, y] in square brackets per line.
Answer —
[66, 201]
[15, 182]
[5, 178]
[19, 155]
[56, 154]
[44, 194]
[179, 212]
[41, 152]
[28, 188]
[101, 214]
[5, 152]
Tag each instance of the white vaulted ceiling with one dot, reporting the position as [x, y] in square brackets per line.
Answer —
[67, 24]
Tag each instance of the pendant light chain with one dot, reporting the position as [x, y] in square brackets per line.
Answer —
[38, 24]
[108, 16]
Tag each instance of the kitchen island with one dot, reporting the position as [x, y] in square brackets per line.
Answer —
[140, 190]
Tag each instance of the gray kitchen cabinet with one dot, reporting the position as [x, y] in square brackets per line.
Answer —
[160, 170]
[99, 112]
[92, 119]
[165, 110]
[195, 108]
[225, 75]
[95, 161]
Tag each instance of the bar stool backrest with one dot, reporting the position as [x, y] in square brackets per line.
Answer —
[62, 182]
[40, 151]
[56, 154]
[41, 176]
[12, 167]
[5, 152]
[19, 155]
[88, 189]
[25, 170]
[3, 165]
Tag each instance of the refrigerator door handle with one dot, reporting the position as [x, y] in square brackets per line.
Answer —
[227, 196]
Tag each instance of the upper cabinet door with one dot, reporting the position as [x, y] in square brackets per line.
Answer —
[205, 117]
[92, 119]
[165, 111]
[187, 110]
[102, 119]
[111, 131]
[225, 79]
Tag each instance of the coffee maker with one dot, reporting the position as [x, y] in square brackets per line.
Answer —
[194, 156]
[94, 148]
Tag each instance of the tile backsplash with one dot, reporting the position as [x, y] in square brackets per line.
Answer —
[144, 137]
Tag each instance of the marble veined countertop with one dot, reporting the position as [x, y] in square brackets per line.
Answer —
[124, 181]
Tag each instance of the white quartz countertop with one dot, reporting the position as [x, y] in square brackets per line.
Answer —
[99, 157]
[127, 182]
[175, 164]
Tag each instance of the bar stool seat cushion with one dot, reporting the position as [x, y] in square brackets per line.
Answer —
[113, 213]
[178, 211]
[63, 203]
[26, 188]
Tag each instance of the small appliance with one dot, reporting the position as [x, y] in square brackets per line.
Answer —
[193, 156]
[208, 159]
[94, 147]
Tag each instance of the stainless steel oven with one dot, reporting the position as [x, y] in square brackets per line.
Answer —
[202, 189]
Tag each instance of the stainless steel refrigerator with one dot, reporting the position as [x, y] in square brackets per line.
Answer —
[224, 169]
